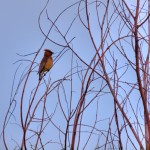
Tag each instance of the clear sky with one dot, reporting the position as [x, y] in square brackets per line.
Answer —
[19, 33]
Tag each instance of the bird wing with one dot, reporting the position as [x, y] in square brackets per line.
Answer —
[42, 64]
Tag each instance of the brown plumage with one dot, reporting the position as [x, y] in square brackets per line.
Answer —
[46, 63]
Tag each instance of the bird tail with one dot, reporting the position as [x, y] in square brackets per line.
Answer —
[40, 76]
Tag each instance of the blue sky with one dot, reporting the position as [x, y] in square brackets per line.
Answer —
[20, 33]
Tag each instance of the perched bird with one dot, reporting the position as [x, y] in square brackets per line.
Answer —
[46, 63]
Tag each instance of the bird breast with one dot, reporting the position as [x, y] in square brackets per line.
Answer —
[49, 63]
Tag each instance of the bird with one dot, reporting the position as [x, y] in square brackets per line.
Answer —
[46, 63]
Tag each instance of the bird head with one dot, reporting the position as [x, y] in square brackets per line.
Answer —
[48, 52]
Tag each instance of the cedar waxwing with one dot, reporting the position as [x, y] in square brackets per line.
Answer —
[46, 63]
